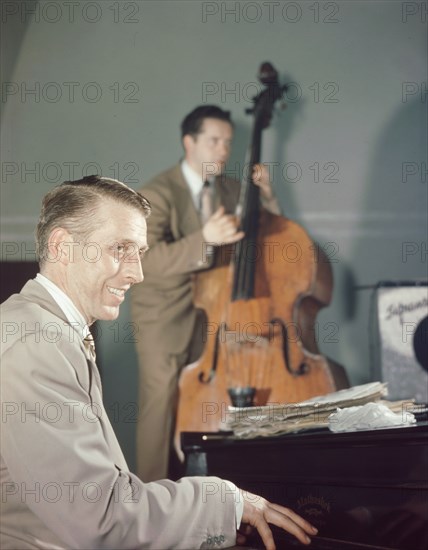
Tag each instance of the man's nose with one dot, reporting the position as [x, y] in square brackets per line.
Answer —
[134, 269]
[140, 274]
[223, 149]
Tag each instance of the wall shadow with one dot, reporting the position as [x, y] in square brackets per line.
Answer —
[390, 244]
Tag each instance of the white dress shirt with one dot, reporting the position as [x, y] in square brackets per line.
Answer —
[194, 181]
[73, 315]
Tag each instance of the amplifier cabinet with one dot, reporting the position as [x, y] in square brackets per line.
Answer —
[400, 347]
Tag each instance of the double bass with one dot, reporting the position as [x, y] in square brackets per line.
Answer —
[270, 285]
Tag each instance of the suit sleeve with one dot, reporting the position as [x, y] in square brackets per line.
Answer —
[171, 254]
[55, 444]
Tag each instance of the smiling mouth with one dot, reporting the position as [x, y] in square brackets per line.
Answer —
[116, 291]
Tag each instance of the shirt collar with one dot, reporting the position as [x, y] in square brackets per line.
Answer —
[73, 315]
[193, 180]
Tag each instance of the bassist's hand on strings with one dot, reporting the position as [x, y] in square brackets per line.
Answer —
[258, 513]
[221, 229]
[261, 178]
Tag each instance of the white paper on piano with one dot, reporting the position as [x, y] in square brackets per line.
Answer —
[370, 416]
[278, 419]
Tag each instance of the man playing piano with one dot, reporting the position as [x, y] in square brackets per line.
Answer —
[64, 479]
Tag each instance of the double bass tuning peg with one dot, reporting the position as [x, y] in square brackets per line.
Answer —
[282, 103]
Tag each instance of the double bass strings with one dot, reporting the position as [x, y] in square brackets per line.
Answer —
[248, 360]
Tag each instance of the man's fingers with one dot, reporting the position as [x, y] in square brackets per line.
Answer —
[265, 533]
[226, 219]
[221, 229]
[303, 523]
[246, 529]
[218, 213]
[259, 513]
[229, 239]
[235, 238]
[290, 522]
[257, 172]
[241, 539]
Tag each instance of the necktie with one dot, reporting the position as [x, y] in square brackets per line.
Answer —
[205, 204]
[89, 344]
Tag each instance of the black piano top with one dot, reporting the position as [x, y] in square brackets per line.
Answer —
[193, 441]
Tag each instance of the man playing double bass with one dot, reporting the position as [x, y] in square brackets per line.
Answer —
[192, 210]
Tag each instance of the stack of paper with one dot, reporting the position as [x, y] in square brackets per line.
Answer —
[275, 419]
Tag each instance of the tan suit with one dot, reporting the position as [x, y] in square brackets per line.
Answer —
[170, 332]
[64, 480]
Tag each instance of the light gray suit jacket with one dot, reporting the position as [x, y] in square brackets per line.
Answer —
[64, 480]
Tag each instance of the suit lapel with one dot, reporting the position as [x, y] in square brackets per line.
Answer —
[35, 292]
[96, 396]
[187, 217]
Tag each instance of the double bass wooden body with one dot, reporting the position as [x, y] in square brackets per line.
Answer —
[269, 285]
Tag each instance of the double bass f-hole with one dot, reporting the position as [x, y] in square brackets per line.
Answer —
[303, 368]
[212, 371]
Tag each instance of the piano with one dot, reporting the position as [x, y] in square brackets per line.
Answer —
[362, 490]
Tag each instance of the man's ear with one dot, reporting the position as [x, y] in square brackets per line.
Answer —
[188, 142]
[60, 246]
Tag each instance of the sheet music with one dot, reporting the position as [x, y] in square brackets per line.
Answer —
[278, 419]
